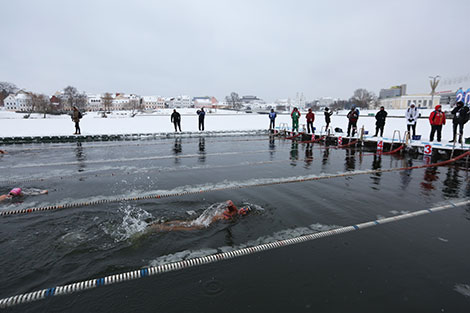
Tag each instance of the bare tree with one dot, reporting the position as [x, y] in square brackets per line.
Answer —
[363, 98]
[234, 100]
[73, 98]
[107, 100]
[6, 88]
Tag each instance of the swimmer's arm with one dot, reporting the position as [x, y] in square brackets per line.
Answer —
[169, 227]
[44, 192]
[4, 197]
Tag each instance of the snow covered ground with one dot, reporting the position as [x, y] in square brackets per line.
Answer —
[13, 124]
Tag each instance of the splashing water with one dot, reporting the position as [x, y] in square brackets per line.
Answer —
[134, 221]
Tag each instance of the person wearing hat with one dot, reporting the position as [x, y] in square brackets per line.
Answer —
[380, 121]
[230, 212]
[328, 115]
[437, 118]
[310, 118]
[295, 115]
[411, 116]
[18, 192]
[460, 113]
[76, 116]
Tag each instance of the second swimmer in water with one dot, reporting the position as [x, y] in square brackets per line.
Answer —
[230, 212]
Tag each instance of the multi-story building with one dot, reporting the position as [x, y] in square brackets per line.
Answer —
[392, 92]
[153, 102]
[423, 101]
[182, 101]
[21, 101]
[95, 102]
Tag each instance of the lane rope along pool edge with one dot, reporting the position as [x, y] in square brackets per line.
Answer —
[262, 184]
[174, 266]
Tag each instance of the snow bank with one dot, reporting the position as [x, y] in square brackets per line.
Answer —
[13, 124]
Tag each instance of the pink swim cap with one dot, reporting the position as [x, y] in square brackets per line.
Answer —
[15, 191]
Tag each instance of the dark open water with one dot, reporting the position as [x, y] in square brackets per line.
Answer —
[416, 265]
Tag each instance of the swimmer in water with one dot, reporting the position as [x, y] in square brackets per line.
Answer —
[2, 152]
[230, 212]
[18, 192]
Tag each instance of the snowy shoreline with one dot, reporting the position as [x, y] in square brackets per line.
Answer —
[14, 125]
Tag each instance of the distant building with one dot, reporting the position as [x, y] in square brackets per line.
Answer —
[205, 102]
[392, 92]
[421, 101]
[94, 102]
[21, 101]
[153, 102]
[251, 100]
[447, 97]
[182, 101]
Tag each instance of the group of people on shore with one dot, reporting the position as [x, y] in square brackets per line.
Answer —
[437, 119]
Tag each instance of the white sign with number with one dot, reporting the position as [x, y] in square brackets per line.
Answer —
[427, 150]
[340, 141]
[380, 145]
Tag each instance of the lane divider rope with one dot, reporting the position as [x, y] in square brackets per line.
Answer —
[263, 184]
[183, 264]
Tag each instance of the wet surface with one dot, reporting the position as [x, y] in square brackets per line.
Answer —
[421, 264]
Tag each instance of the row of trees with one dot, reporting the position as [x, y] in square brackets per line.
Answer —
[361, 98]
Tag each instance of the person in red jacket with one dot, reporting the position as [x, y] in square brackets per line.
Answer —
[310, 118]
[437, 119]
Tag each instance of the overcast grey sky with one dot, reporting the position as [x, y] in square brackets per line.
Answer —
[271, 49]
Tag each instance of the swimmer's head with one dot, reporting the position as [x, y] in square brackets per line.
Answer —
[229, 203]
[244, 211]
[15, 192]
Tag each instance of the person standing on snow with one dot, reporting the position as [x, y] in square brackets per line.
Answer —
[295, 119]
[380, 121]
[176, 120]
[76, 116]
[353, 116]
[310, 118]
[201, 114]
[272, 119]
[411, 116]
[328, 115]
[460, 113]
[437, 118]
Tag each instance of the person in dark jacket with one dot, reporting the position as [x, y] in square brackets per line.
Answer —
[76, 116]
[176, 120]
[272, 119]
[310, 118]
[460, 113]
[201, 114]
[437, 118]
[353, 116]
[328, 115]
[380, 121]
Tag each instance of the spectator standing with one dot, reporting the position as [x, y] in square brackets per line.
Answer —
[76, 116]
[328, 115]
[201, 114]
[310, 118]
[353, 116]
[412, 116]
[295, 119]
[460, 113]
[272, 119]
[176, 120]
[380, 121]
[437, 118]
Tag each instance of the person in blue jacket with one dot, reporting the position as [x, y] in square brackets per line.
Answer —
[201, 114]
[272, 119]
